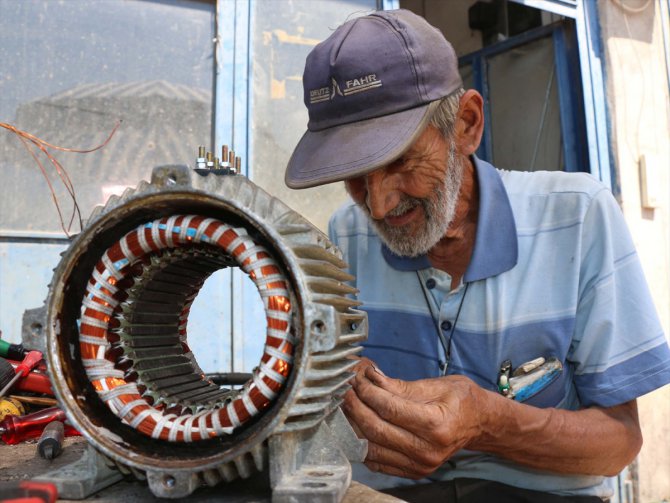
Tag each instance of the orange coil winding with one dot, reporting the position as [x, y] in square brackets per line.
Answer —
[106, 290]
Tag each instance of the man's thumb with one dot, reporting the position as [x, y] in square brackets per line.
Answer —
[395, 386]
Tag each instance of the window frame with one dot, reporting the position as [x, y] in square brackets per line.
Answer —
[567, 74]
[592, 66]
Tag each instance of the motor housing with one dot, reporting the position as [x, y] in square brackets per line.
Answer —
[323, 325]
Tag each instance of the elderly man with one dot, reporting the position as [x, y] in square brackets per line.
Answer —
[467, 273]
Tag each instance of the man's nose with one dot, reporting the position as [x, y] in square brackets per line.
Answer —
[380, 195]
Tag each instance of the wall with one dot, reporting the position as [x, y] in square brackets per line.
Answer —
[639, 112]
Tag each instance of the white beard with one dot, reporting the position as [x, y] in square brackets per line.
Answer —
[439, 211]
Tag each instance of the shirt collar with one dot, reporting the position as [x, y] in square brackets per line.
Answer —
[496, 247]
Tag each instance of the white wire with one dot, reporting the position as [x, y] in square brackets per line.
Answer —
[629, 9]
[542, 118]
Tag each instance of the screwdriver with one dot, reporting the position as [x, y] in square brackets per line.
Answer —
[40, 367]
[37, 381]
[24, 368]
[12, 351]
[7, 372]
[15, 429]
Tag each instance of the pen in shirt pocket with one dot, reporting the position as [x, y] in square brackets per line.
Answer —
[529, 378]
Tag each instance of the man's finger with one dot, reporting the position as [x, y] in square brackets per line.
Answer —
[357, 429]
[383, 455]
[379, 431]
[362, 363]
[414, 417]
[423, 390]
[395, 386]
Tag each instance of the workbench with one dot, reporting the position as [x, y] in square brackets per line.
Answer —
[21, 462]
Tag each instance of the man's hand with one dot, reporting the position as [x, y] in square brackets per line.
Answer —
[412, 427]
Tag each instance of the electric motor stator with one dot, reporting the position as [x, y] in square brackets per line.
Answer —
[117, 314]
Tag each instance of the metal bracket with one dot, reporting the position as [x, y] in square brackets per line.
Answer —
[78, 480]
[312, 466]
[33, 326]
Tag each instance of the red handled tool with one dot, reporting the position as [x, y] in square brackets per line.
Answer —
[28, 491]
[36, 381]
[15, 429]
[24, 368]
[40, 367]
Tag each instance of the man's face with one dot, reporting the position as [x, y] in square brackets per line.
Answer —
[412, 201]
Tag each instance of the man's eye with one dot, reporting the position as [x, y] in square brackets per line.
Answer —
[355, 186]
[399, 164]
[405, 165]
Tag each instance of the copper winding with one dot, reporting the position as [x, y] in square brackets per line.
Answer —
[107, 295]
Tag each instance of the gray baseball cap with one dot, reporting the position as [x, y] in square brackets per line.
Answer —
[370, 89]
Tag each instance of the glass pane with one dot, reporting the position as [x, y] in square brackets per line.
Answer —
[525, 115]
[72, 70]
[282, 38]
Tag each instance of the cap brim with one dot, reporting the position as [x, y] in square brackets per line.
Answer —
[351, 150]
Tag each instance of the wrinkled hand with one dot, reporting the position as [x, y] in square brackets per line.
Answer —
[359, 369]
[412, 427]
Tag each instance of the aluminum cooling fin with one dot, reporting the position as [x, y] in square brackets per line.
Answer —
[118, 352]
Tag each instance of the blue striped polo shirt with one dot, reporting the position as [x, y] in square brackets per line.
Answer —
[554, 273]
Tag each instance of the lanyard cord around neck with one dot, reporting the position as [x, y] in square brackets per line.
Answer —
[446, 344]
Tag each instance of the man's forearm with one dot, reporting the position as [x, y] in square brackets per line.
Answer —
[595, 441]
[413, 427]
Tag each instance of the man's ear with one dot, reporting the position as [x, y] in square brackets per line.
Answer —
[470, 122]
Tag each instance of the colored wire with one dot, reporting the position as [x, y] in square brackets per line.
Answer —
[27, 139]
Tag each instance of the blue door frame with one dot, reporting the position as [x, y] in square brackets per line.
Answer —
[589, 41]
[567, 73]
